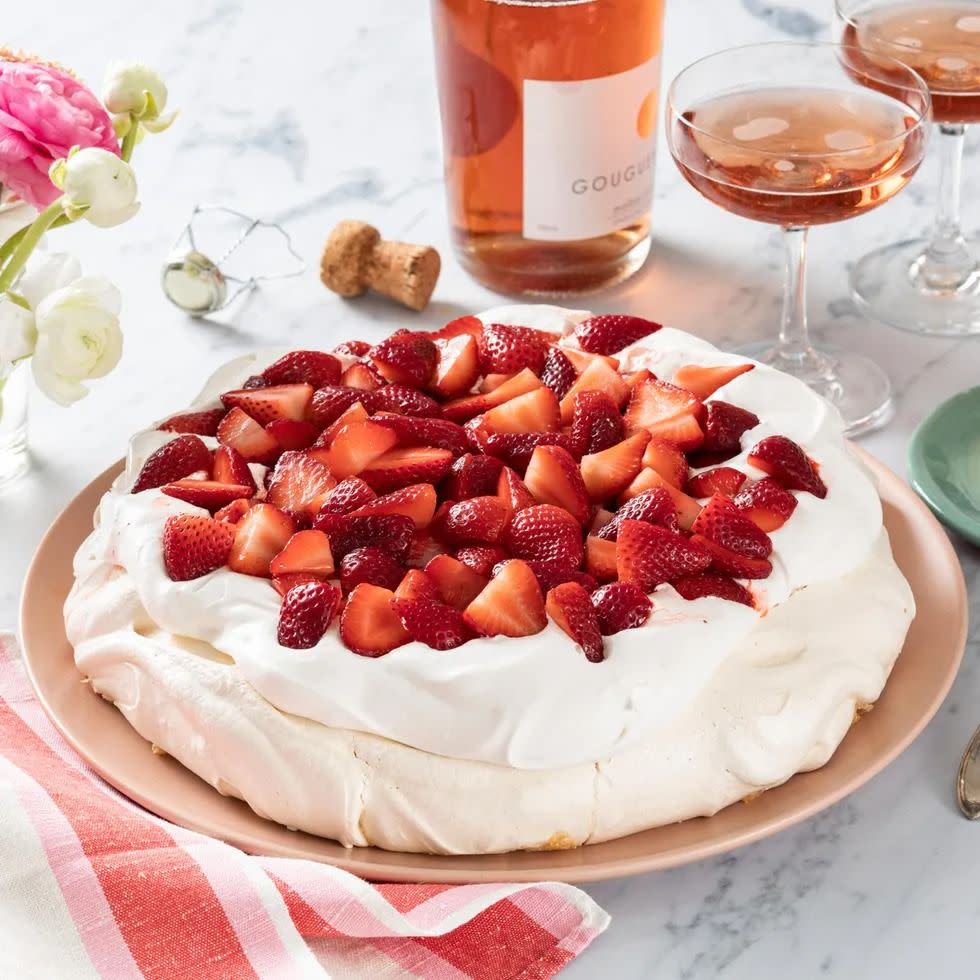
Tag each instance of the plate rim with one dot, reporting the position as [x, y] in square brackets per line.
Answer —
[525, 869]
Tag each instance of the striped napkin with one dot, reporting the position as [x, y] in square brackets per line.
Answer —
[91, 885]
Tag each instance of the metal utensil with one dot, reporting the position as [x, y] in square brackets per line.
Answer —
[968, 779]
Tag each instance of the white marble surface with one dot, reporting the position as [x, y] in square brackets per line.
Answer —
[309, 113]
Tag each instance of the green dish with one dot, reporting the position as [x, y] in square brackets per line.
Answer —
[944, 463]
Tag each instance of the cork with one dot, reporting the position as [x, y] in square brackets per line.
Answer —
[356, 258]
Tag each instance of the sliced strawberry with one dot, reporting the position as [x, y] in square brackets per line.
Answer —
[621, 606]
[705, 381]
[537, 411]
[352, 348]
[788, 465]
[545, 533]
[423, 549]
[724, 425]
[571, 609]
[267, 404]
[597, 376]
[259, 536]
[709, 584]
[328, 404]
[417, 502]
[722, 479]
[398, 468]
[600, 558]
[194, 545]
[243, 434]
[666, 412]
[232, 513]
[312, 367]
[196, 423]
[766, 504]
[229, 466]
[549, 576]
[470, 325]
[491, 381]
[506, 349]
[482, 559]
[667, 460]
[371, 564]
[416, 585]
[363, 377]
[513, 491]
[357, 445]
[404, 401]
[510, 605]
[208, 494]
[393, 532]
[306, 613]
[406, 358]
[368, 625]
[426, 432]
[722, 522]
[724, 561]
[433, 623]
[254, 381]
[582, 359]
[600, 518]
[353, 413]
[293, 434]
[472, 475]
[596, 423]
[648, 555]
[654, 506]
[553, 477]
[458, 368]
[515, 448]
[299, 484]
[457, 584]
[463, 409]
[173, 461]
[609, 333]
[347, 496]
[479, 520]
[305, 551]
[558, 372]
[636, 378]
[283, 583]
[687, 507]
[609, 472]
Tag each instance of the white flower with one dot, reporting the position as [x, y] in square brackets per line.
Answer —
[132, 90]
[78, 338]
[18, 335]
[46, 272]
[97, 185]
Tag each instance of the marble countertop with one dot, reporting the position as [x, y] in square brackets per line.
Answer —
[310, 113]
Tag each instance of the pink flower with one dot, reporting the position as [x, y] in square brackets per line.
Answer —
[44, 112]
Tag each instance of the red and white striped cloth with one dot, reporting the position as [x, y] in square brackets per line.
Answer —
[91, 886]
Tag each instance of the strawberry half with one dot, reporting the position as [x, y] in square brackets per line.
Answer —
[173, 461]
[766, 504]
[481, 559]
[510, 605]
[393, 532]
[267, 404]
[558, 372]
[608, 473]
[406, 358]
[648, 555]
[369, 625]
[293, 434]
[666, 412]
[553, 477]
[259, 536]
[352, 348]
[312, 367]
[472, 475]
[600, 558]
[545, 533]
[598, 375]
[283, 583]
[463, 409]
[232, 513]
[364, 377]
[305, 551]
[299, 484]
[549, 576]
[515, 448]
[229, 466]
[621, 606]
[728, 562]
[456, 584]
[722, 479]
[416, 585]
[609, 333]
[347, 496]
[479, 520]
[433, 623]
[654, 506]
[208, 494]
[723, 427]
[536, 411]
[196, 423]
[722, 522]
[417, 502]
[194, 546]
[708, 584]
[306, 613]
[371, 564]
[786, 463]
[426, 432]
[667, 460]
[687, 508]
[705, 381]
[596, 422]
[243, 434]
[570, 606]
[358, 444]
[505, 349]
[458, 368]
[513, 492]
[470, 325]
[329, 403]
[398, 468]
[404, 401]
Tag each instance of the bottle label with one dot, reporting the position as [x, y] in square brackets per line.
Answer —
[588, 153]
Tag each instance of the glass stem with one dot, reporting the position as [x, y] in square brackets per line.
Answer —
[947, 263]
[794, 337]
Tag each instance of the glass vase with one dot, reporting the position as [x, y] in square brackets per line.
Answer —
[14, 387]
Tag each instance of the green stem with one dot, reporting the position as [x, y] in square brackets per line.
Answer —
[11, 243]
[129, 140]
[25, 246]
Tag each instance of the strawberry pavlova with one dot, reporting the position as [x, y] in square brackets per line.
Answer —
[534, 580]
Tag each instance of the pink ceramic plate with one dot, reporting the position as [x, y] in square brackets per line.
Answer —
[921, 678]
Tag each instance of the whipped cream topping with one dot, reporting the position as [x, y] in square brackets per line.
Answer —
[535, 702]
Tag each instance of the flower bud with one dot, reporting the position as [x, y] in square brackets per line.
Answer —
[97, 185]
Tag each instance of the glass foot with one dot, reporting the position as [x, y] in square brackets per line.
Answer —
[855, 385]
[900, 285]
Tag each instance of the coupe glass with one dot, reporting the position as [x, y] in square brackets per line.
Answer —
[931, 284]
[799, 135]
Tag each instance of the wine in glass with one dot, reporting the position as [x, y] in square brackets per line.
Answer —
[793, 135]
[929, 284]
